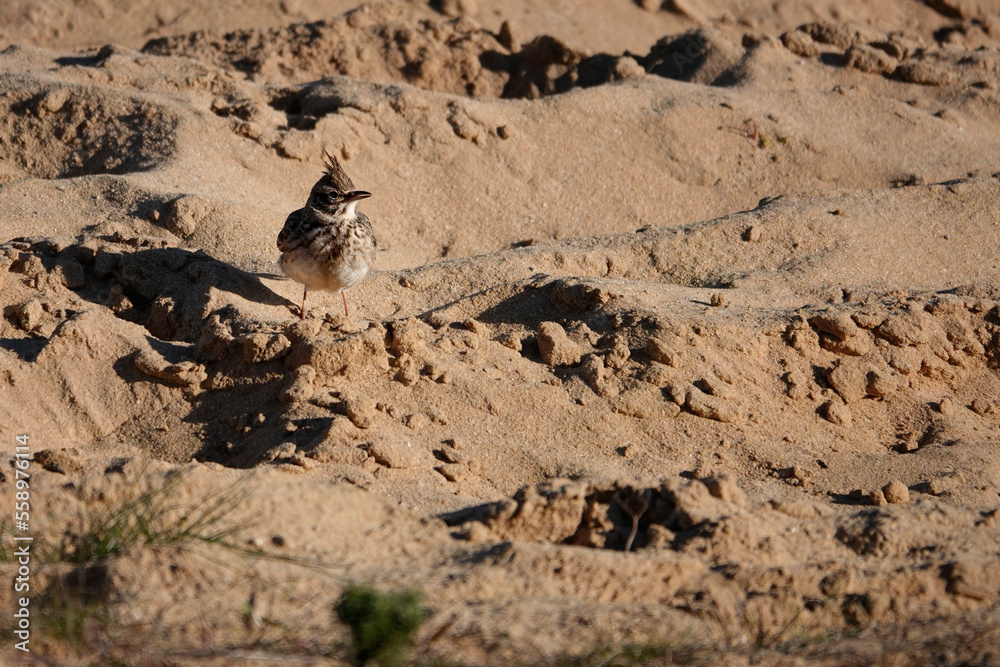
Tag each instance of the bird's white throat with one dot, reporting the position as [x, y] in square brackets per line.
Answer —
[345, 214]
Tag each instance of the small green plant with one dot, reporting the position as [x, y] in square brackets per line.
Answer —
[73, 605]
[751, 131]
[149, 519]
[6, 542]
[382, 624]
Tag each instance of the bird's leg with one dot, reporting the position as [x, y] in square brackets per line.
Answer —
[346, 314]
[302, 311]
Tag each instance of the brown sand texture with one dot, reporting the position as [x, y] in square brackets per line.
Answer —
[682, 346]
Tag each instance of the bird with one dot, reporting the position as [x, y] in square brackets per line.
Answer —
[328, 244]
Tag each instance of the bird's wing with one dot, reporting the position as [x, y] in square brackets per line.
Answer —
[369, 250]
[295, 231]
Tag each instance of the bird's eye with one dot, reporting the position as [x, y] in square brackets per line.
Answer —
[326, 197]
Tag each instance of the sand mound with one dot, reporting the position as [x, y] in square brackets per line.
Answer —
[59, 131]
[386, 43]
[374, 44]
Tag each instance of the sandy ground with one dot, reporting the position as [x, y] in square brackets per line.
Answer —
[683, 346]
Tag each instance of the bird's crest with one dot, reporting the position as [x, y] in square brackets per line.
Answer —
[335, 177]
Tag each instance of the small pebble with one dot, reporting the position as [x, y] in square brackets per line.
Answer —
[838, 413]
[940, 485]
[981, 407]
[720, 300]
[895, 492]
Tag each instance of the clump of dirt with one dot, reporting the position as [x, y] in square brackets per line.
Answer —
[610, 515]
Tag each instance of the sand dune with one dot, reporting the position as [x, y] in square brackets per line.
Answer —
[684, 332]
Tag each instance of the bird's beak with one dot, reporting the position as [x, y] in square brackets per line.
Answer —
[356, 195]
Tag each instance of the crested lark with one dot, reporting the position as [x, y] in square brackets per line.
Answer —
[328, 244]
